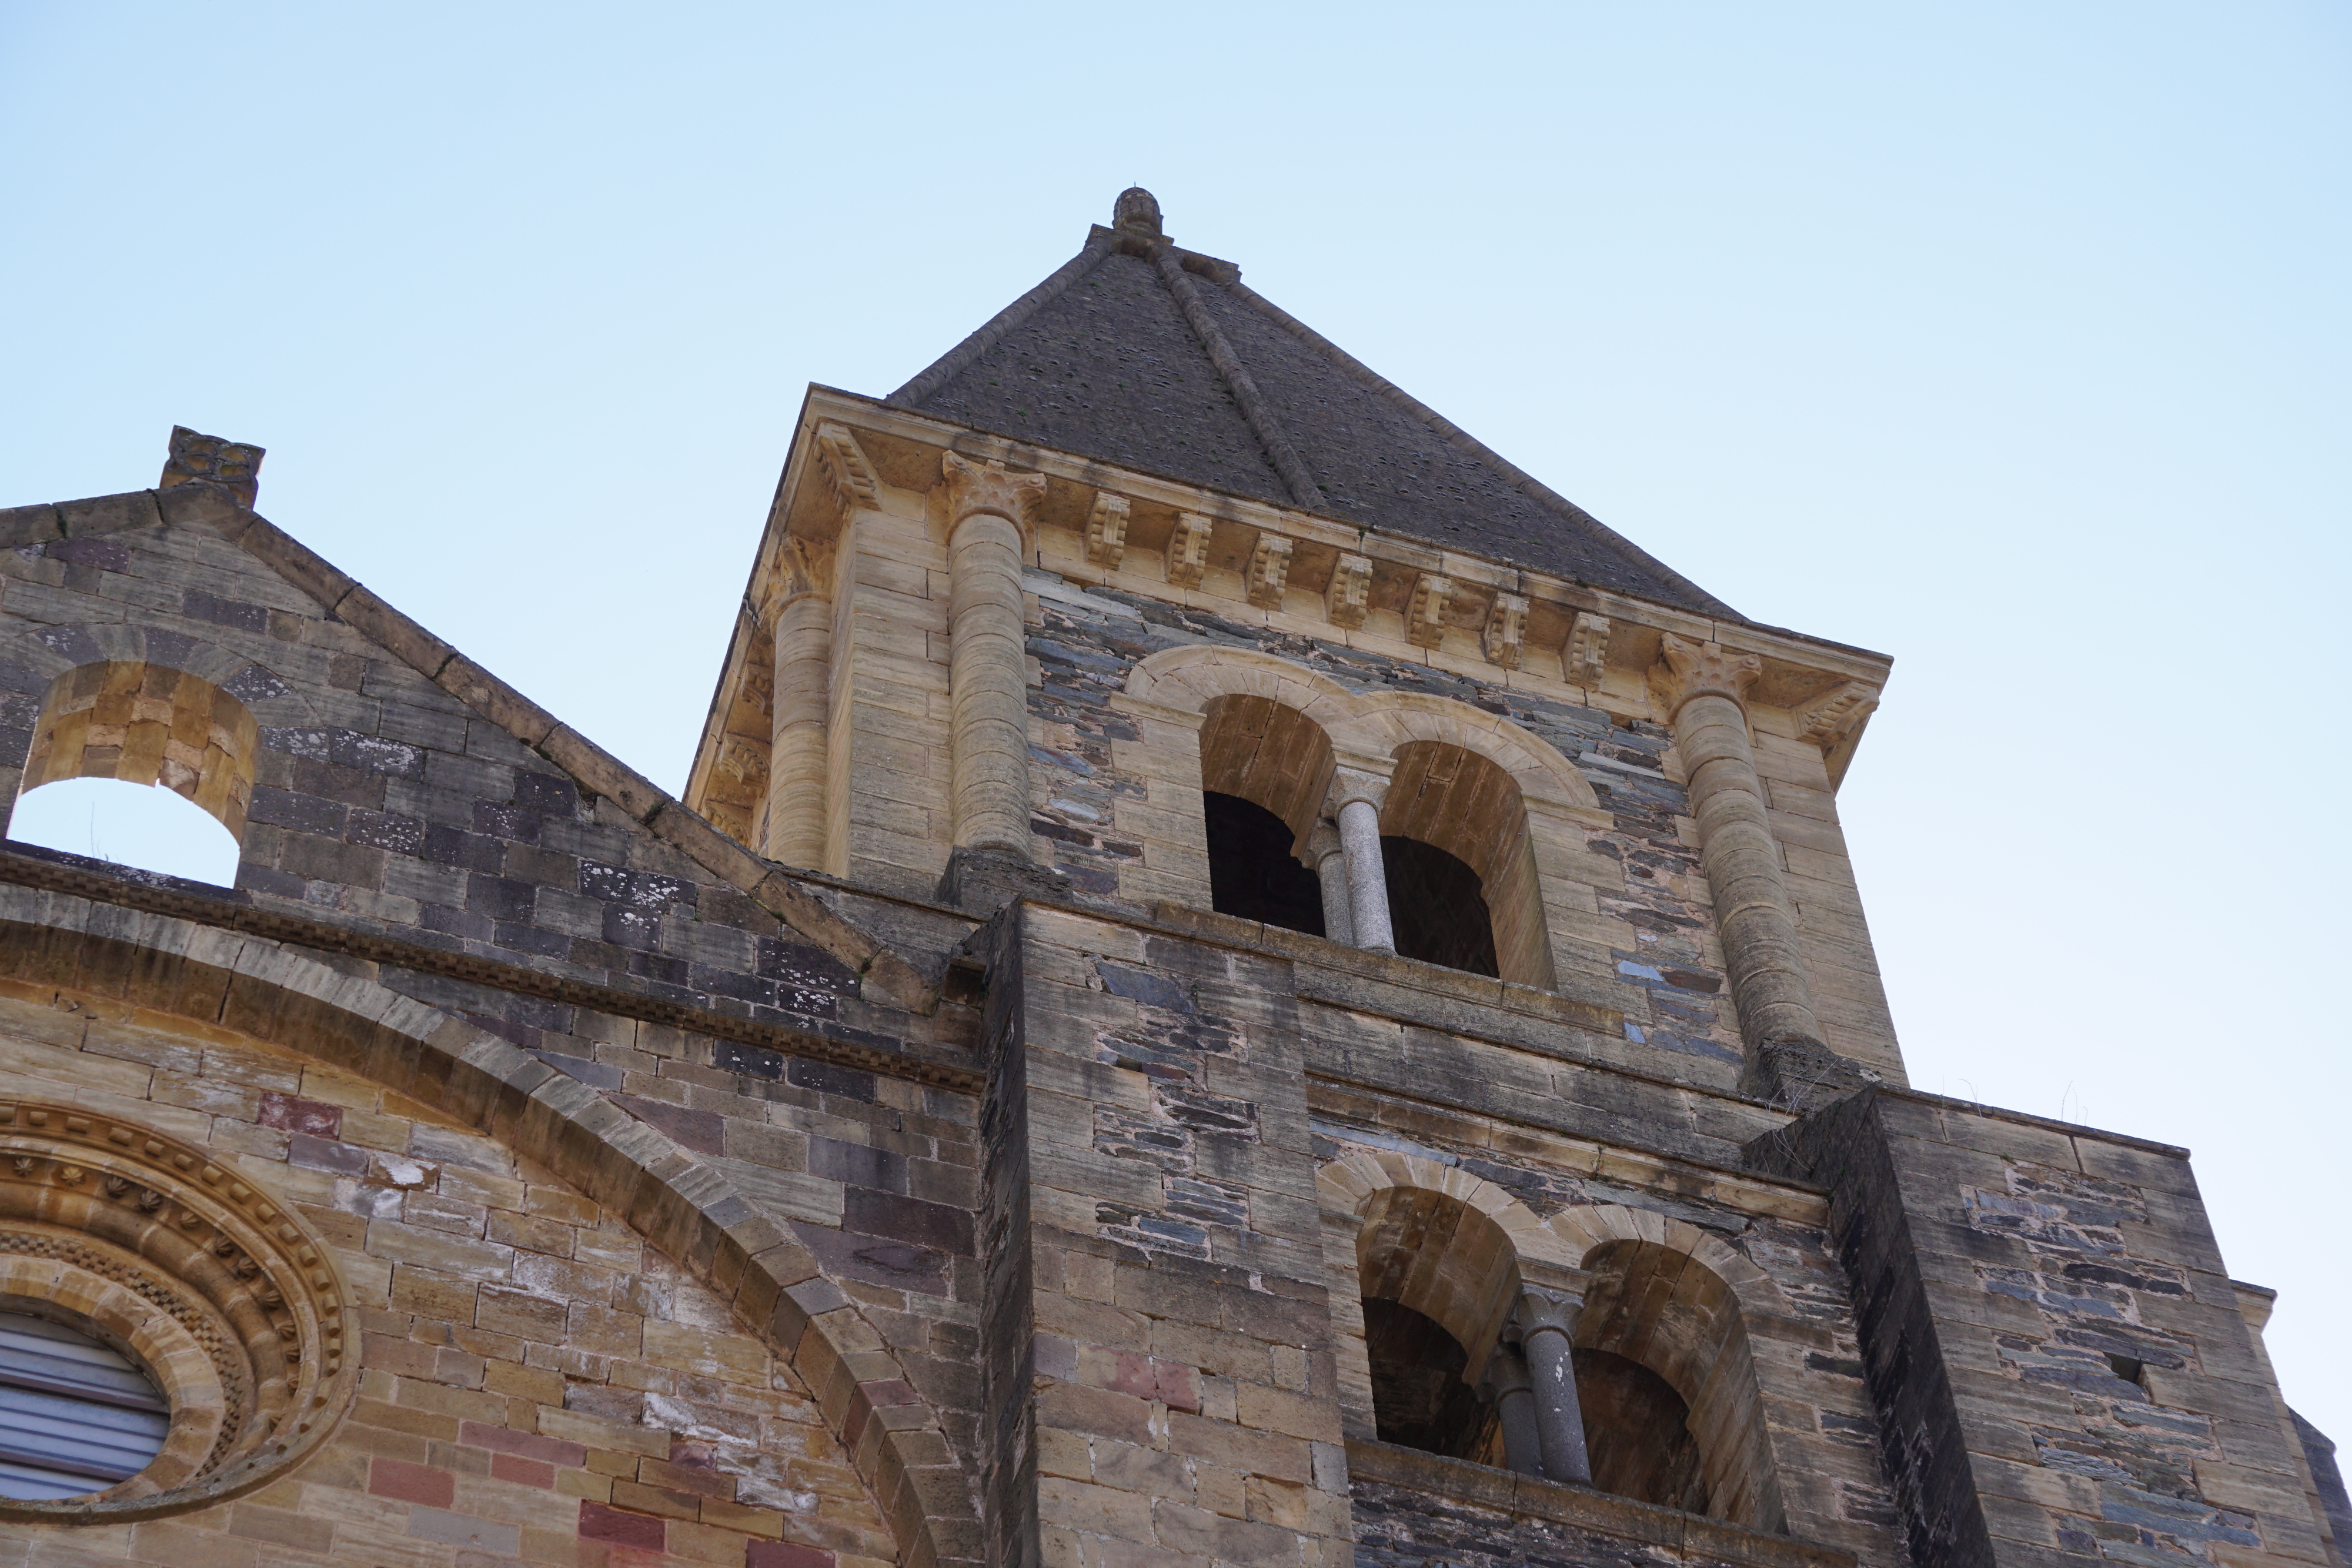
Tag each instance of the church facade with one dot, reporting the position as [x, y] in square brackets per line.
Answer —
[1235, 982]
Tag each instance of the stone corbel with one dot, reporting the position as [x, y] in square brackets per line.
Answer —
[1269, 565]
[990, 488]
[1686, 669]
[1107, 531]
[1827, 719]
[1424, 615]
[1504, 637]
[1349, 592]
[1585, 656]
[1187, 550]
[848, 474]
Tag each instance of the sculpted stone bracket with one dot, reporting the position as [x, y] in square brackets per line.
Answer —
[1828, 718]
[233, 1306]
[1504, 637]
[1187, 550]
[1269, 566]
[1584, 658]
[1349, 594]
[848, 474]
[1424, 616]
[1107, 531]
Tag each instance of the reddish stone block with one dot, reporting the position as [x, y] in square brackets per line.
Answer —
[529, 1445]
[1176, 1385]
[522, 1471]
[412, 1483]
[641, 1531]
[295, 1115]
[784, 1554]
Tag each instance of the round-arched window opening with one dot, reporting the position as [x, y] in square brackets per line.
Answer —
[1438, 907]
[77, 1416]
[143, 826]
[1252, 872]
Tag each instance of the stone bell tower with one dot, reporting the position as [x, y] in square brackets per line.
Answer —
[1236, 982]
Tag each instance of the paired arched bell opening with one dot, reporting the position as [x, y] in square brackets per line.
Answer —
[1456, 860]
[1445, 1268]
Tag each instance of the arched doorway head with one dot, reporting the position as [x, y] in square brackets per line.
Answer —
[1667, 1300]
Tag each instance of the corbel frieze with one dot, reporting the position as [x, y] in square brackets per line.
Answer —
[1349, 592]
[1503, 639]
[1585, 655]
[1107, 531]
[1187, 550]
[1269, 566]
[1825, 720]
[1424, 616]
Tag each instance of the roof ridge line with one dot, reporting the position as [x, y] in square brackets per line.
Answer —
[1464, 442]
[1304, 490]
[948, 366]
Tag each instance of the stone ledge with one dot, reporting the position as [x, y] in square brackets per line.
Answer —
[1505, 1492]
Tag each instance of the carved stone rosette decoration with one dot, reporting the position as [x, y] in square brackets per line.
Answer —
[229, 1304]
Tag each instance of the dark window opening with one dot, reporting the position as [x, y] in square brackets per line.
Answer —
[1437, 907]
[2129, 1368]
[1252, 872]
[1419, 1400]
[1637, 1432]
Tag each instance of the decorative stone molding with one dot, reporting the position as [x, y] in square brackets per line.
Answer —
[1187, 550]
[1349, 592]
[1424, 615]
[1269, 565]
[1825, 720]
[1686, 670]
[1585, 655]
[229, 1301]
[848, 474]
[1107, 531]
[801, 566]
[1504, 637]
[990, 488]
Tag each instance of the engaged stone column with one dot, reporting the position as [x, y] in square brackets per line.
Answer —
[1359, 795]
[1703, 687]
[1507, 1386]
[988, 696]
[800, 618]
[1547, 1328]
[1332, 872]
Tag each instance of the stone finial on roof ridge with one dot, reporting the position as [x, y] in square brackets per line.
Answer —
[195, 458]
[1137, 212]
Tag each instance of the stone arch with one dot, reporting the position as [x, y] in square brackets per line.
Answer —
[116, 701]
[1431, 1237]
[773, 1285]
[1508, 805]
[1670, 1298]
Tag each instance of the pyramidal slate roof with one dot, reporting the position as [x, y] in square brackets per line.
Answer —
[1151, 356]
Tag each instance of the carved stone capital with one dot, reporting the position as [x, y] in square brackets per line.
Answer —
[1825, 720]
[801, 566]
[1542, 1308]
[1585, 656]
[1323, 842]
[1424, 613]
[1269, 566]
[1349, 592]
[1107, 531]
[1356, 784]
[848, 474]
[1187, 550]
[1503, 639]
[1686, 669]
[990, 487]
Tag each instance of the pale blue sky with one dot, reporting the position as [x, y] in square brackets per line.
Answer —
[2010, 339]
